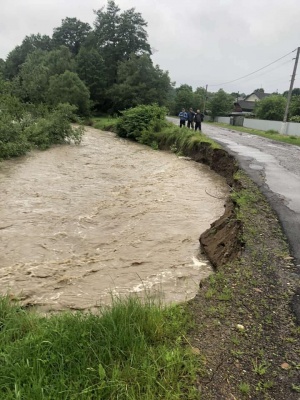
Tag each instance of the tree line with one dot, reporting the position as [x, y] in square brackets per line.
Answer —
[105, 68]
[108, 68]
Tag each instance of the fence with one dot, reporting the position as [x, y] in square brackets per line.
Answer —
[289, 128]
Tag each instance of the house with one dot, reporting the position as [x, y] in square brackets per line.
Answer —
[246, 105]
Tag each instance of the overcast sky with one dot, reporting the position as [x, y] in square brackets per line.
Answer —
[199, 42]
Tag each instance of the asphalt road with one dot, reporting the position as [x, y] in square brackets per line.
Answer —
[275, 168]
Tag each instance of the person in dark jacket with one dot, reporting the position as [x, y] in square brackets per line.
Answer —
[190, 118]
[198, 119]
[182, 117]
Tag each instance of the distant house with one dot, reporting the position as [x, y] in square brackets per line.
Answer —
[246, 105]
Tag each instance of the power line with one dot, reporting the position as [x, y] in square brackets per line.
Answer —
[273, 69]
[254, 72]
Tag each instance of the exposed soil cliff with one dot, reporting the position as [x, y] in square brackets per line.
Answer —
[244, 329]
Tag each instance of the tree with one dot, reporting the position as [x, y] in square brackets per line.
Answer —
[271, 108]
[2, 67]
[139, 82]
[32, 82]
[119, 36]
[19, 54]
[184, 98]
[200, 97]
[294, 109]
[59, 60]
[295, 92]
[260, 90]
[69, 88]
[72, 33]
[38, 42]
[91, 70]
[221, 104]
[238, 95]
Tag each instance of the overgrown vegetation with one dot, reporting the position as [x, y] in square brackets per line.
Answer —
[142, 124]
[146, 124]
[23, 127]
[133, 350]
[271, 108]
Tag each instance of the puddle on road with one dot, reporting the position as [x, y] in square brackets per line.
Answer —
[80, 223]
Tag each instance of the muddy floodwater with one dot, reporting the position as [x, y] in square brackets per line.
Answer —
[81, 223]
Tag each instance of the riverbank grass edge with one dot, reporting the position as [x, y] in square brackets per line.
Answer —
[244, 326]
[135, 349]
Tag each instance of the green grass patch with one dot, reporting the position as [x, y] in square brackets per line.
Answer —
[132, 350]
[182, 139]
[103, 123]
[147, 125]
[271, 134]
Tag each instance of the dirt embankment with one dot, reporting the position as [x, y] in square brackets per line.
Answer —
[245, 329]
[223, 241]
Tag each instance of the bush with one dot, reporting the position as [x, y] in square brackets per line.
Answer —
[271, 108]
[23, 126]
[55, 129]
[295, 118]
[141, 123]
[13, 141]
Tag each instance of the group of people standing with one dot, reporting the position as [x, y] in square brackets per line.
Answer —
[190, 117]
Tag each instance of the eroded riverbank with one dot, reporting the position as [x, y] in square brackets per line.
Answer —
[109, 216]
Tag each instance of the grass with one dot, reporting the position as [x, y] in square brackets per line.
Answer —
[244, 388]
[182, 139]
[171, 137]
[248, 292]
[271, 134]
[133, 350]
[103, 123]
[260, 368]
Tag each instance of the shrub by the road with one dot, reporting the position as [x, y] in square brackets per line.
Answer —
[142, 123]
[147, 124]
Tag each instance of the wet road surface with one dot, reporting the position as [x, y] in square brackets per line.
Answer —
[275, 168]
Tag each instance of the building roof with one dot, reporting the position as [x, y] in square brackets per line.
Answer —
[246, 105]
[259, 94]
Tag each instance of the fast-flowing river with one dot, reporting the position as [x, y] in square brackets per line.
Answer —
[79, 224]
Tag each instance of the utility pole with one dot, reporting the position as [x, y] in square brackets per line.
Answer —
[290, 92]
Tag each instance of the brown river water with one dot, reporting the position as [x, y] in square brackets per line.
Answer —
[79, 224]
